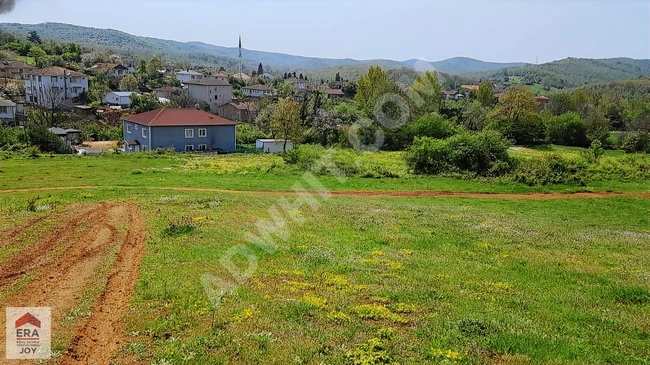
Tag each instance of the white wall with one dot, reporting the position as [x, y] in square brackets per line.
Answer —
[40, 86]
[10, 114]
[273, 147]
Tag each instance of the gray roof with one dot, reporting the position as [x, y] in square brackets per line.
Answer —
[122, 93]
[7, 103]
[207, 82]
[62, 132]
[189, 72]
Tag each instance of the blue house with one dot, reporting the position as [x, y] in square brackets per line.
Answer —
[183, 129]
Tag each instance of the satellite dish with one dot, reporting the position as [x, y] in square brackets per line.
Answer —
[197, 106]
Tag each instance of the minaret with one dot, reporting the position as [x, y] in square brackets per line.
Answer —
[241, 69]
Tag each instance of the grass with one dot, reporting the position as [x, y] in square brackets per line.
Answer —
[401, 280]
[28, 60]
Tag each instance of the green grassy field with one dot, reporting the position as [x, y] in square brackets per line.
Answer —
[363, 280]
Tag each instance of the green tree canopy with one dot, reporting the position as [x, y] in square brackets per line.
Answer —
[285, 121]
[129, 83]
[485, 95]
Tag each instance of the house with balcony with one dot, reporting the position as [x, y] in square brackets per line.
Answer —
[188, 75]
[14, 69]
[256, 91]
[54, 87]
[111, 69]
[212, 91]
[183, 129]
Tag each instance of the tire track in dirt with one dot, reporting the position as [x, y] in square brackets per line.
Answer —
[98, 341]
[11, 235]
[40, 253]
[368, 193]
[79, 275]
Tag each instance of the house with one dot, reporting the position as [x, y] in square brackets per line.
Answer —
[212, 91]
[111, 69]
[542, 100]
[335, 93]
[183, 129]
[220, 76]
[272, 145]
[7, 110]
[14, 69]
[298, 83]
[256, 91]
[167, 91]
[267, 76]
[452, 95]
[470, 87]
[54, 87]
[242, 76]
[188, 75]
[121, 98]
[240, 112]
[68, 136]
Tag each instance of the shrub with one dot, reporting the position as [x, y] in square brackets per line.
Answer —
[566, 129]
[528, 130]
[550, 169]
[247, 134]
[304, 156]
[635, 142]
[484, 153]
[433, 126]
[46, 141]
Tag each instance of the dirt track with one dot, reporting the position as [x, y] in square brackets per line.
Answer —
[369, 193]
[67, 264]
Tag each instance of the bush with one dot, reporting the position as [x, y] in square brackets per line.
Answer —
[46, 141]
[248, 134]
[529, 130]
[304, 156]
[433, 126]
[635, 142]
[550, 169]
[484, 153]
[567, 130]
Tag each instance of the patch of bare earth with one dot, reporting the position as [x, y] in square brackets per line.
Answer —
[65, 263]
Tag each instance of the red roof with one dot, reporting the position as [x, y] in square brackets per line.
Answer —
[335, 92]
[54, 71]
[541, 97]
[169, 117]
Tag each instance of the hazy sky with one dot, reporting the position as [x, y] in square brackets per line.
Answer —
[491, 30]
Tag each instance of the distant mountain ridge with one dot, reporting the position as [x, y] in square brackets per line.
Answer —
[208, 54]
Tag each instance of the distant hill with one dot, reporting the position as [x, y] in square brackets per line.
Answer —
[572, 72]
[208, 54]
[463, 65]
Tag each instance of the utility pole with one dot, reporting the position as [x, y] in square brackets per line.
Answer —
[65, 86]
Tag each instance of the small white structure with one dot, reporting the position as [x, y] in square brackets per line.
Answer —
[7, 110]
[272, 145]
[188, 75]
[121, 98]
[256, 91]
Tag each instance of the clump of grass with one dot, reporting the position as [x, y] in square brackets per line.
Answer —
[336, 316]
[631, 295]
[314, 301]
[182, 225]
[377, 312]
[375, 351]
[445, 355]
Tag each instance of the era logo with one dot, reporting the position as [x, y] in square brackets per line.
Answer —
[31, 333]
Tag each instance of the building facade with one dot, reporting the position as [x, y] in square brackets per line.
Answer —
[54, 87]
[212, 91]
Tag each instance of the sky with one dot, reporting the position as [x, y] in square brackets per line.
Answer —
[490, 30]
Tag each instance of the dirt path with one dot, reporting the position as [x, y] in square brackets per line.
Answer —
[67, 269]
[369, 193]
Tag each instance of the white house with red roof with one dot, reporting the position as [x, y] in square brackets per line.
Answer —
[54, 87]
[183, 129]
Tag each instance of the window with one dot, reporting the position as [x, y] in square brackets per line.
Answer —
[3, 110]
[128, 128]
[53, 79]
[144, 132]
[39, 79]
[203, 147]
[189, 148]
[136, 127]
[189, 133]
[203, 132]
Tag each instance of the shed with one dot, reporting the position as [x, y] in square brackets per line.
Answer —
[121, 98]
[272, 145]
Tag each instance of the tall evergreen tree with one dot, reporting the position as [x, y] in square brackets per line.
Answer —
[260, 69]
[34, 37]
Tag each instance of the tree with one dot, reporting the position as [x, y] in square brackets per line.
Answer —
[597, 125]
[144, 103]
[337, 78]
[260, 69]
[300, 77]
[516, 116]
[560, 103]
[129, 83]
[222, 69]
[34, 37]
[38, 54]
[325, 125]
[371, 87]
[517, 103]
[264, 117]
[285, 121]
[153, 66]
[426, 93]
[349, 89]
[485, 95]
[98, 87]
